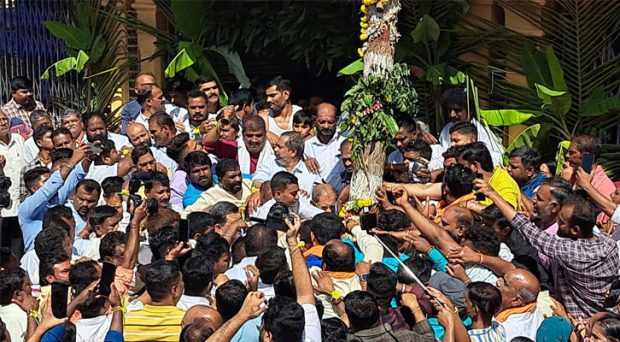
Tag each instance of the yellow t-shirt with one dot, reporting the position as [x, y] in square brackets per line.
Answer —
[505, 186]
[153, 323]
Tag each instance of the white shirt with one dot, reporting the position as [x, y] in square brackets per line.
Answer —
[305, 178]
[303, 208]
[101, 172]
[327, 155]
[525, 324]
[87, 247]
[312, 324]
[484, 134]
[13, 154]
[93, 329]
[142, 119]
[237, 271]
[16, 321]
[186, 302]
[162, 157]
[31, 151]
[275, 129]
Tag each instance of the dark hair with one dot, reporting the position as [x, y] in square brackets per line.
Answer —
[107, 146]
[212, 246]
[284, 319]
[422, 147]
[38, 114]
[176, 146]
[81, 275]
[229, 298]
[530, 158]
[162, 239]
[281, 180]
[280, 83]
[225, 165]
[295, 142]
[145, 94]
[587, 143]
[33, 175]
[610, 323]
[161, 276]
[56, 213]
[60, 131]
[11, 281]
[112, 185]
[486, 298]
[483, 239]
[393, 220]
[139, 151]
[20, 82]
[162, 119]
[478, 152]
[560, 189]
[382, 282]
[50, 242]
[464, 128]
[197, 158]
[420, 265]
[326, 226]
[40, 132]
[86, 117]
[334, 261]
[270, 262]
[195, 93]
[46, 265]
[60, 154]
[459, 179]
[220, 210]
[240, 97]
[453, 152]
[99, 214]
[198, 222]
[333, 330]
[197, 331]
[90, 186]
[258, 238]
[407, 122]
[197, 275]
[584, 213]
[303, 118]
[203, 79]
[362, 310]
[254, 123]
[107, 247]
[284, 284]
[177, 83]
[494, 215]
[552, 165]
[458, 96]
[156, 178]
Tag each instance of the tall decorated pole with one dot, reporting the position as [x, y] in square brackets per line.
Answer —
[369, 106]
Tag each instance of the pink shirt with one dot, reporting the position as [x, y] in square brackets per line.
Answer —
[603, 184]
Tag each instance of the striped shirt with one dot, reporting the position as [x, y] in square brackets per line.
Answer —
[494, 333]
[153, 323]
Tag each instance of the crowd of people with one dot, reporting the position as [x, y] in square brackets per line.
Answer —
[203, 222]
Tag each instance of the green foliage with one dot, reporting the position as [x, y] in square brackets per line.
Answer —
[369, 106]
[63, 66]
[505, 117]
[353, 68]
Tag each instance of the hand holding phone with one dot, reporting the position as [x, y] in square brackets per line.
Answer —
[587, 162]
[108, 272]
[183, 230]
[60, 297]
[480, 196]
[368, 221]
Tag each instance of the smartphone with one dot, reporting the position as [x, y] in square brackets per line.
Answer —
[95, 148]
[60, 297]
[183, 230]
[587, 162]
[480, 196]
[107, 278]
[368, 221]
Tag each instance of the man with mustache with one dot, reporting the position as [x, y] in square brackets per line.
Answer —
[199, 170]
[72, 120]
[198, 109]
[231, 188]
[38, 118]
[138, 135]
[152, 101]
[96, 130]
[322, 150]
[280, 117]
[22, 102]
[208, 86]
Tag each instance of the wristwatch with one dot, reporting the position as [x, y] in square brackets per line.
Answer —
[364, 277]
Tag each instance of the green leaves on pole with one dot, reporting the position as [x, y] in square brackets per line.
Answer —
[353, 68]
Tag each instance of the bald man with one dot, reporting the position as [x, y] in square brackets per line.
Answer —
[322, 151]
[339, 265]
[518, 313]
[209, 316]
[138, 135]
[324, 197]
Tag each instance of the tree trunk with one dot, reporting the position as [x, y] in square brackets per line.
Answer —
[378, 58]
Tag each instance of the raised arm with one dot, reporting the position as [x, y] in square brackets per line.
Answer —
[133, 237]
[432, 232]
[584, 180]
[301, 275]
[432, 191]
[251, 308]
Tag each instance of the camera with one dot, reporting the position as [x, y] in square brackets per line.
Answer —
[136, 181]
[277, 215]
[5, 197]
